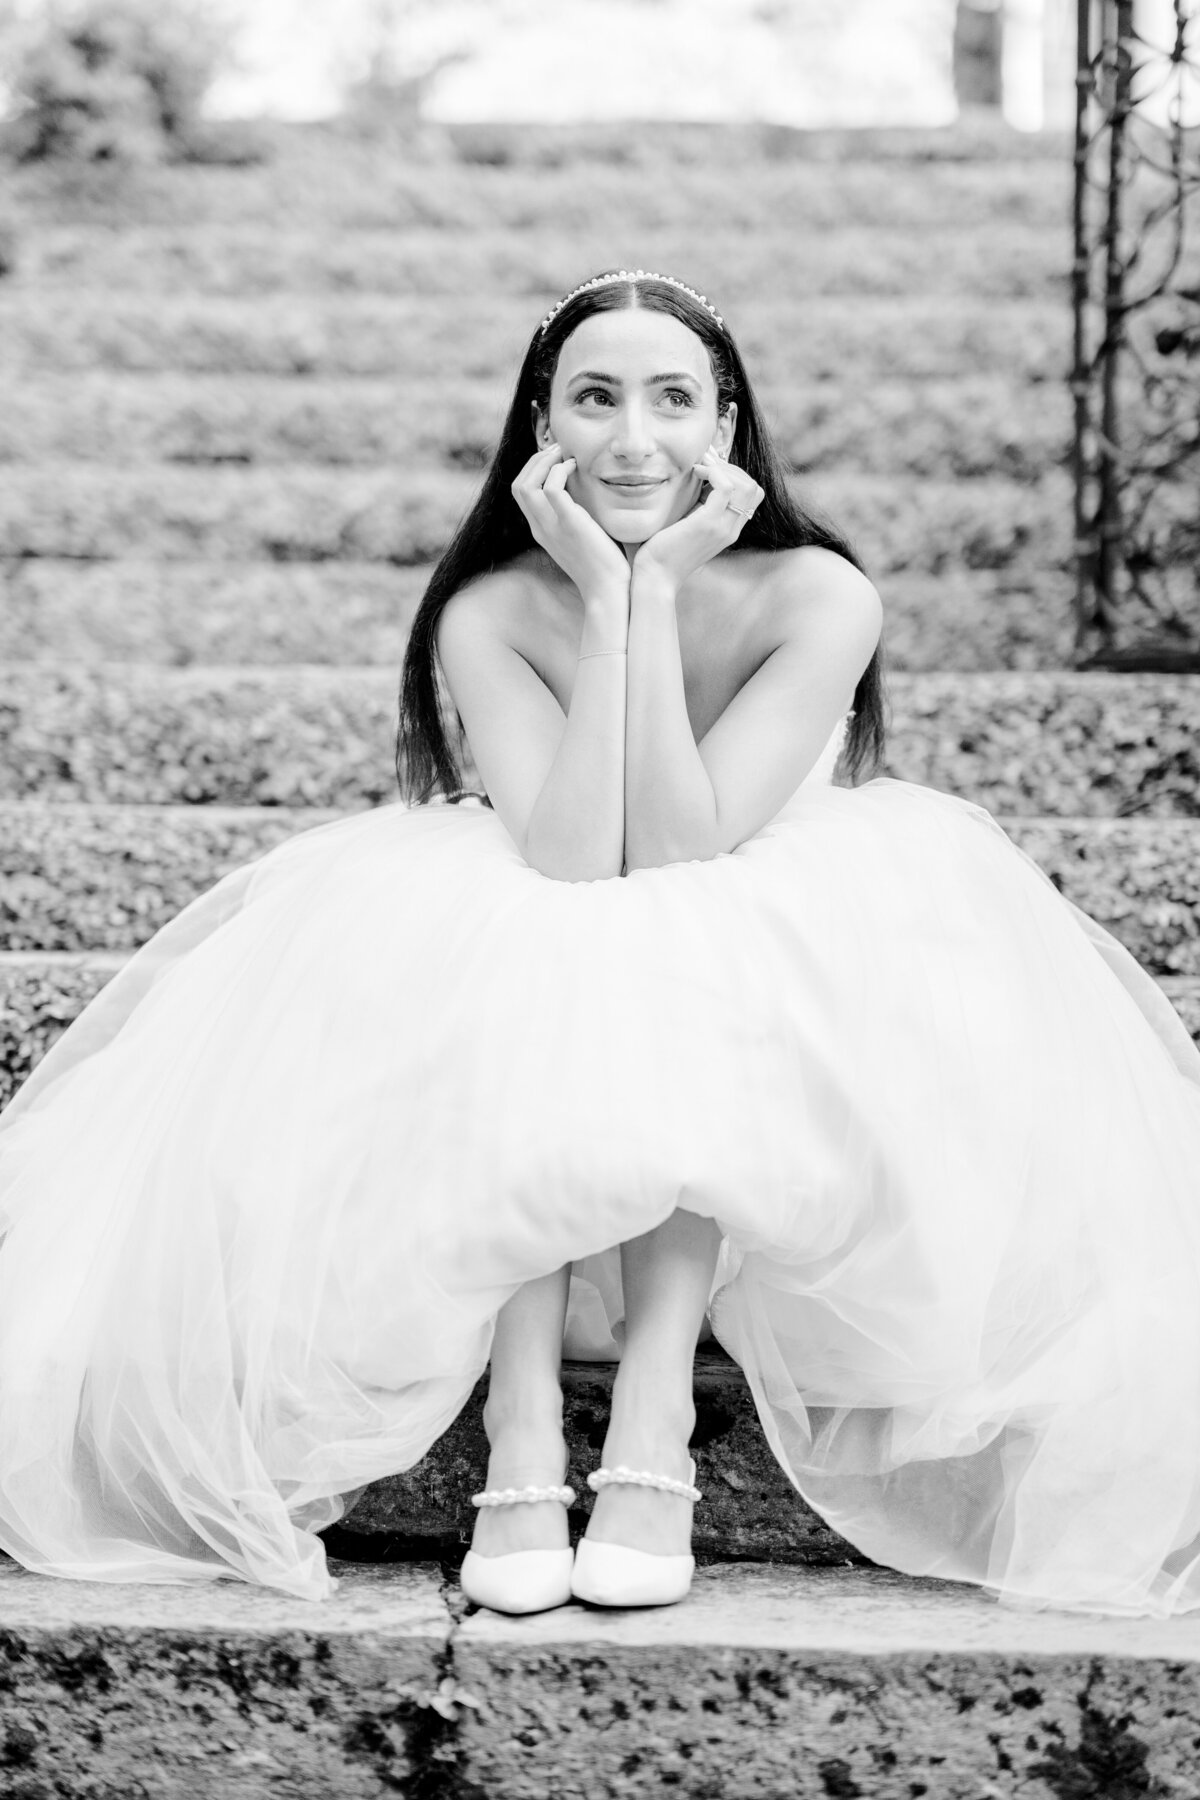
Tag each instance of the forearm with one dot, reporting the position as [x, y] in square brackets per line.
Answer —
[670, 806]
[576, 829]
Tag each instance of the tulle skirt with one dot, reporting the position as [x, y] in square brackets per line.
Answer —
[262, 1202]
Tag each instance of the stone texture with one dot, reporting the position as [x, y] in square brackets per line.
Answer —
[749, 1509]
[1051, 744]
[87, 878]
[768, 1683]
[764, 1684]
[221, 1691]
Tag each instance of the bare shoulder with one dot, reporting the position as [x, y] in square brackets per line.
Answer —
[810, 591]
[510, 605]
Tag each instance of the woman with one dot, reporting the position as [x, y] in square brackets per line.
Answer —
[671, 1026]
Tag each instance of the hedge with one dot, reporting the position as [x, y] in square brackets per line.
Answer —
[352, 613]
[78, 878]
[287, 515]
[343, 186]
[999, 259]
[37, 1003]
[307, 514]
[976, 425]
[786, 343]
[81, 879]
[1052, 744]
[1139, 878]
[231, 613]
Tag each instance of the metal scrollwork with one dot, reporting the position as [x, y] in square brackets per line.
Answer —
[1136, 362]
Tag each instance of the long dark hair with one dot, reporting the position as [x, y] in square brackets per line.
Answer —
[496, 530]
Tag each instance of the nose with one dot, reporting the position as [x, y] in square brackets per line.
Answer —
[633, 437]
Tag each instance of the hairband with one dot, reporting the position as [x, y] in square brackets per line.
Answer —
[629, 275]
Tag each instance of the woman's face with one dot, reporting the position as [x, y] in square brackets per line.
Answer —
[634, 402]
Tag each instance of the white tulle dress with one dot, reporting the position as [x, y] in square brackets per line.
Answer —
[263, 1200]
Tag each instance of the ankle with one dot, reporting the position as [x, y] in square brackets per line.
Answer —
[535, 1409]
[645, 1400]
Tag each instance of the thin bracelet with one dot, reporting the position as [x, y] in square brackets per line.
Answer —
[586, 653]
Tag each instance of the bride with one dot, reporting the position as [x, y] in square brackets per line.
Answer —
[662, 1027]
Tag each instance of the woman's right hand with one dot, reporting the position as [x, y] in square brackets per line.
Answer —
[581, 548]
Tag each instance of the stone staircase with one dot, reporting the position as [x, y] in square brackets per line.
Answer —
[227, 464]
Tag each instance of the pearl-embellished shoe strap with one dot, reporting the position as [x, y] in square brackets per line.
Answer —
[623, 1477]
[519, 1496]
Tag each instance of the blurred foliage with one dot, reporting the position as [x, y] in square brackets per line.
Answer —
[306, 513]
[971, 428]
[1057, 745]
[59, 610]
[36, 1007]
[63, 889]
[121, 81]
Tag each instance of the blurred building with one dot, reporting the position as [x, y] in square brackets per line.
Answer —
[804, 63]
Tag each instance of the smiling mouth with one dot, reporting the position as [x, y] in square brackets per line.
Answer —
[635, 486]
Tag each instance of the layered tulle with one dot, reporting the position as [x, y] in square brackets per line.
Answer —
[264, 1199]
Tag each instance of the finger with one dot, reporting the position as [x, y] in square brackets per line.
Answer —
[717, 475]
[556, 481]
[535, 469]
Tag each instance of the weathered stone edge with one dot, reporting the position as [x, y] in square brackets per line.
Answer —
[764, 1683]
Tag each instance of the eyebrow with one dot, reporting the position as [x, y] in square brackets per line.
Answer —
[651, 380]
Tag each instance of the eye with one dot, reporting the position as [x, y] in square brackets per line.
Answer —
[593, 393]
[679, 397]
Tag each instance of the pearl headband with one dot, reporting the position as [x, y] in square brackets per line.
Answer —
[628, 275]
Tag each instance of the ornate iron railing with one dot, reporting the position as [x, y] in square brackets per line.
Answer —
[1136, 364]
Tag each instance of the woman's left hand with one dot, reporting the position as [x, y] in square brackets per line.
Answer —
[677, 551]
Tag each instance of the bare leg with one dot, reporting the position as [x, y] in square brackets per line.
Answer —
[523, 1419]
[666, 1275]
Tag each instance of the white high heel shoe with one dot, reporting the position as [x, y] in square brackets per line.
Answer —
[523, 1581]
[614, 1575]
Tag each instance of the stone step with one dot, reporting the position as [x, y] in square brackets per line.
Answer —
[85, 878]
[55, 610]
[954, 429]
[785, 342]
[750, 1508]
[763, 1684]
[1051, 743]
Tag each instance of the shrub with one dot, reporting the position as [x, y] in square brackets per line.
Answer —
[1054, 744]
[119, 81]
